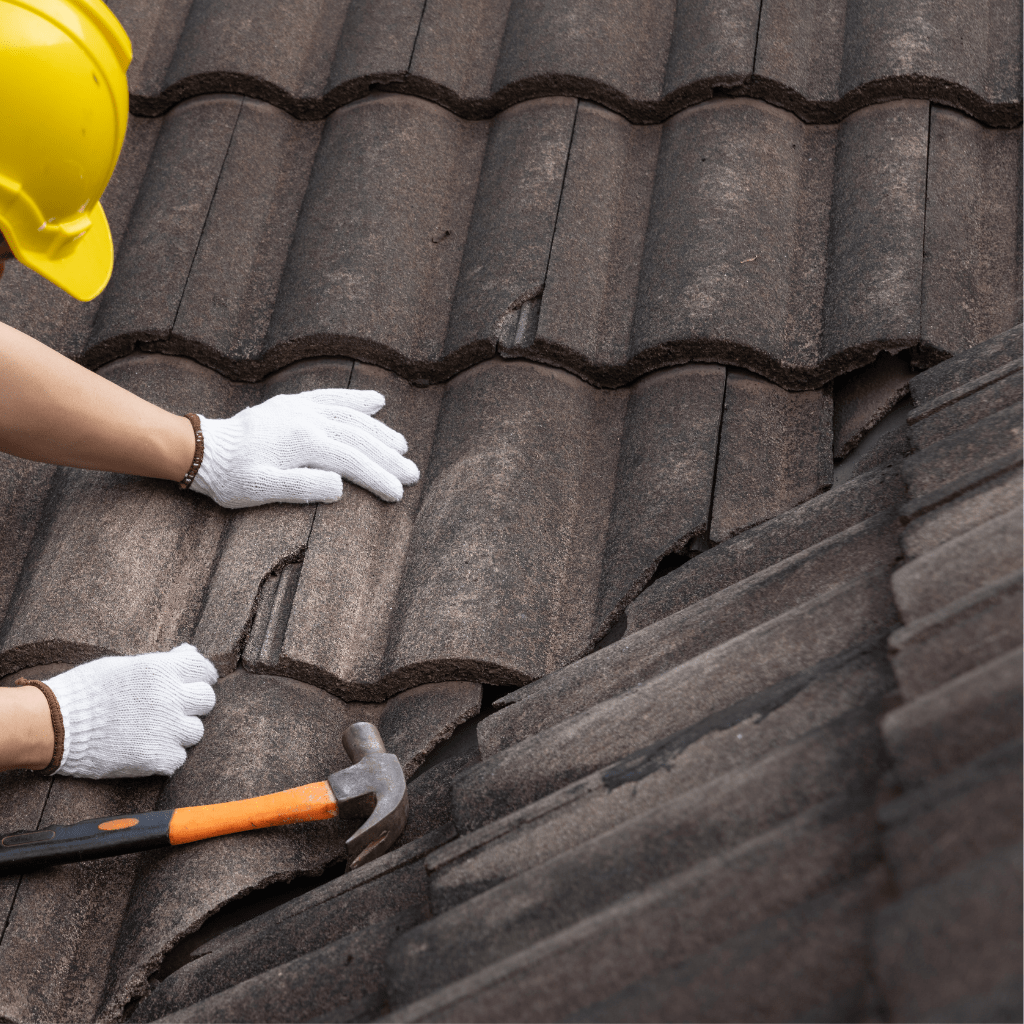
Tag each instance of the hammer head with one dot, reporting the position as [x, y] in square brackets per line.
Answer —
[374, 785]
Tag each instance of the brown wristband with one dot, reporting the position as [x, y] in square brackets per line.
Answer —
[197, 459]
[55, 718]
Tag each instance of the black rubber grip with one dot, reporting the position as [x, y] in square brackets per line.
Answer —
[85, 840]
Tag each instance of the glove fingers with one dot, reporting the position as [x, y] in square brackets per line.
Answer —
[192, 665]
[329, 400]
[300, 486]
[197, 698]
[351, 422]
[355, 465]
[173, 758]
[335, 454]
[189, 732]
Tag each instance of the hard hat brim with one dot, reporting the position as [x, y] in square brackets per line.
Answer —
[85, 271]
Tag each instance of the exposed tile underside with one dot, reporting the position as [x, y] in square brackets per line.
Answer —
[399, 234]
[645, 60]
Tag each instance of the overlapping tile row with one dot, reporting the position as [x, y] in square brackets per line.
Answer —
[545, 506]
[949, 946]
[398, 234]
[694, 797]
[644, 60]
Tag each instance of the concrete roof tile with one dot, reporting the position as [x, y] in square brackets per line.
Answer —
[809, 523]
[507, 248]
[478, 56]
[676, 918]
[949, 520]
[807, 963]
[1001, 389]
[953, 570]
[237, 266]
[376, 47]
[845, 616]
[716, 758]
[956, 817]
[545, 45]
[944, 942]
[691, 631]
[948, 726]
[287, 50]
[989, 355]
[168, 217]
[359, 928]
[586, 315]
[995, 436]
[974, 188]
[772, 455]
[330, 912]
[966, 632]
[663, 838]
[314, 983]
[664, 479]
[376, 252]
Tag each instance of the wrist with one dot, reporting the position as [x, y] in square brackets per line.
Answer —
[177, 444]
[26, 732]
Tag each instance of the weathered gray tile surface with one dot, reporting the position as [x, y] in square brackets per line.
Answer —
[631, 277]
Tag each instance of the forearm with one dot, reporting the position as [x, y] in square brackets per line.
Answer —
[53, 410]
[26, 728]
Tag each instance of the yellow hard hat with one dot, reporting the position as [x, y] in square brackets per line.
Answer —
[63, 115]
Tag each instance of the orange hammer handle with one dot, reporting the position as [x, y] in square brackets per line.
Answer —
[314, 802]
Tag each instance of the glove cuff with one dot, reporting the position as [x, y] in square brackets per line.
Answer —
[82, 721]
[220, 440]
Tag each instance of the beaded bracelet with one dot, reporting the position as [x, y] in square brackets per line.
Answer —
[56, 720]
[197, 459]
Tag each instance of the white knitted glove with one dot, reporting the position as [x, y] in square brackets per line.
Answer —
[125, 717]
[297, 448]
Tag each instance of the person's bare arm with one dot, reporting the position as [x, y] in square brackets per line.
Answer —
[26, 728]
[53, 410]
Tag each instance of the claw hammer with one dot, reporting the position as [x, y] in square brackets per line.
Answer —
[373, 785]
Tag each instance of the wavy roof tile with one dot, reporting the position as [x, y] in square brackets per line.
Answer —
[545, 506]
[646, 61]
[401, 235]
[699, 639]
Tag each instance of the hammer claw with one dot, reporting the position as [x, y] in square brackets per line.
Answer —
[375, 782]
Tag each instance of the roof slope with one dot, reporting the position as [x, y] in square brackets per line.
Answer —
[698, 722]
[686, 819]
